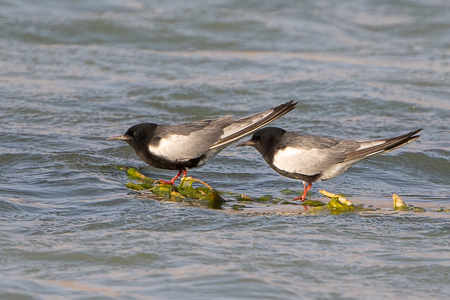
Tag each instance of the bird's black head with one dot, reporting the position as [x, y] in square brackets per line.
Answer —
[264, 139]
[137, 136]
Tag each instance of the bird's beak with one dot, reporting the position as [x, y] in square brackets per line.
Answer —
[119, 137]
[247, 143]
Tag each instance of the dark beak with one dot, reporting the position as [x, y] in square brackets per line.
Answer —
[120, 137]
[247, 143]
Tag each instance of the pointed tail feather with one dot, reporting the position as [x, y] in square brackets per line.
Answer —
[388, 145]
[250, 124]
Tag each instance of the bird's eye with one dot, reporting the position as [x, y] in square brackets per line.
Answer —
[132, 133]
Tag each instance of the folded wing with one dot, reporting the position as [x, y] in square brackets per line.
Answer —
[310, 155]
[187, 141]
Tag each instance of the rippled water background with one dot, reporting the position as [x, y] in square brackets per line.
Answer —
[75, 72]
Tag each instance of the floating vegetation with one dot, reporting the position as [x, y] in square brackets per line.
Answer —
[196, 192]
[185, 192]
[400, 205]
[314, 203]
[337, 205]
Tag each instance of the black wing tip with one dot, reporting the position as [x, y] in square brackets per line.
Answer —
[412, 135]
[288, 105]
[415, 131]
[284, 108]
[406, 136]
[403, 140]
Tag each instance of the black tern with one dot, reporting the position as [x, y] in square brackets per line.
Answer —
[314, 158]
[185, 146]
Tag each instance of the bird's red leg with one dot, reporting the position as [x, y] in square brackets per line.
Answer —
[305, 191]
[173, 179]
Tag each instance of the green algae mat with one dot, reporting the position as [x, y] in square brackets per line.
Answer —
[195, 192]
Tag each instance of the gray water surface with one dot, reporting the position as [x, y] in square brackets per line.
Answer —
[73, 73]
